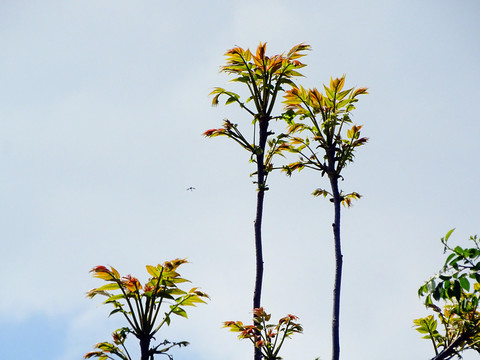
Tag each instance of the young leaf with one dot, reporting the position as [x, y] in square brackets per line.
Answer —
[464, 283]
[178, 311]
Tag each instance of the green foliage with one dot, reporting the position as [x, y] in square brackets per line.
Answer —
[453, 295]
[268, 338]
[346, 199]
[140, 306]
[265, 77]
[106, 350]
[329, 128]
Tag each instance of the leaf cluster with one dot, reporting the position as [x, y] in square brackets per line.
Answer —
[329, 127]
[268, 338]
[140, 304]
[346, 199]
[105, 350]
[453, 295]
[321, 130]
[265, 77]
[461, 267]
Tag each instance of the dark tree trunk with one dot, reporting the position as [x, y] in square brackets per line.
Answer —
[257, 294]
[145, 347]
[333, 177]
[338, 270]
[258, 250]
[259, 259]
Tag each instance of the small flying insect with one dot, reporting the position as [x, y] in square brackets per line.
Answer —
[191, 188]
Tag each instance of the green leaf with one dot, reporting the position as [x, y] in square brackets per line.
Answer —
[178, 311]
[330, 93]
[319, 192]
[111, 286]
[464, 283]
[341, 104]
[231, 99]
[460, 251]
[191, 300]
[115, 311]
[448, 234]
[447, 284]
[426, 325]
[428, 300]
[422, 290]
[473, 253]
[449, 258]
[153, 271]
[453, 263]
[350, 133]
[174, 291]
[243, 79]
[114, 298]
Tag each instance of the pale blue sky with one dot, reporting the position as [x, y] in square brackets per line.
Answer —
[102, 107]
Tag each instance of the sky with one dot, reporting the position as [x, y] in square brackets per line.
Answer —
[102, 109]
